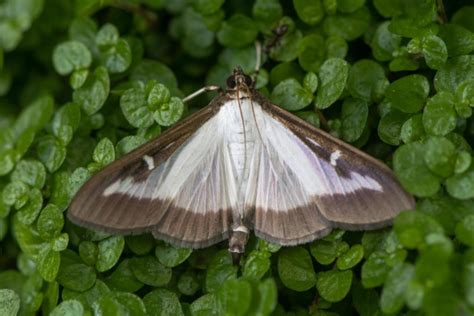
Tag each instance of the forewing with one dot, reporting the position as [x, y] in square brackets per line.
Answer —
[170, 186]
[305, 182]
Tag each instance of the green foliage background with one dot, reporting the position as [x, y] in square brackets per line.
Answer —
[83, 82]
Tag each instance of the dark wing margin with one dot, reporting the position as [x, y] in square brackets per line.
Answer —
[124, 213]
[358, 208]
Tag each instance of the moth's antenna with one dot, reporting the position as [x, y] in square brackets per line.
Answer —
[258, 61]
[253, 114]
[201, 91]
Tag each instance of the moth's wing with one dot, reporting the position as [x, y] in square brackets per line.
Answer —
[314, 182]
[168, 186]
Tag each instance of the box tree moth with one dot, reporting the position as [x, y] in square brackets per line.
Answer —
[240, 164]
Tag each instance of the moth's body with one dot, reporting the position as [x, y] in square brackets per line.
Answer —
[238, 165]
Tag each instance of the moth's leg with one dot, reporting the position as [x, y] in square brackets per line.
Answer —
[201, 91]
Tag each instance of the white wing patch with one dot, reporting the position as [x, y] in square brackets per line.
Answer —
[149, 161]
[334, 157]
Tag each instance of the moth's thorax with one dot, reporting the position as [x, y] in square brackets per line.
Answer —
[241, 133]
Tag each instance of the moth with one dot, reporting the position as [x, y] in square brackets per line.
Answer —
[240, 164]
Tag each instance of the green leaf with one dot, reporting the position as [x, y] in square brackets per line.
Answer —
[104, 152]
[266, 10]
[118, 57]
[51, 153]
[69, 307]
[454, 72]
[131, 303]
[458, 40]
[390, 126]
[31, 172]
[78, 178]
[461, 186]
[108, 305]
[28, 213]
[48, 263]
[463, 161]
[158, 94]
[234, 297]
[439, 116]
[140, 244]
[50, 222]
[220, 269]
[162, 302]
[150, 271]
[348, 26]
[408, 94]
[393, 293]
[78, 78]
[70, 56]
[67, 115]
[109, 253]
[60, 243]
[188, 283]
[375, 269]
[296, 269]
[107, 35]
[413, 130]
[440, 156]
[15, 192]
[91, 96]
[334, 285]
[169, 113]
[310, 55]
[414, 175]
[205, 305]
[367, 80]
[385, 43]
[256, 265]
[468, 284]
[238, 31]
[310, 12]
[434, 51]
[33, 118]
[148, 70]
[288, 47]
[310, 82]
[351, 258]
[413, 227]
[123, 279]
[268, 297]
[9, 302]
[88, 252]
[283, 71]
[206, 7]
[77, 277]
[333, 76]
[133, 105]
[353, 118]
[325, 252]
[290, 95]
[171, 256]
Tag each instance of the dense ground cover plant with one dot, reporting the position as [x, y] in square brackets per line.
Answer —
[83, 82]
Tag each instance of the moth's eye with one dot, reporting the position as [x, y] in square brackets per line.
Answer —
[248, 80]
[231, 82]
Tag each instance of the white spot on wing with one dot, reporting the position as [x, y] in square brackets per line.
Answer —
[149, 161]
[334, 157]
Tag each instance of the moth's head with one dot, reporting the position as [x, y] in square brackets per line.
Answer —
[239, 81]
